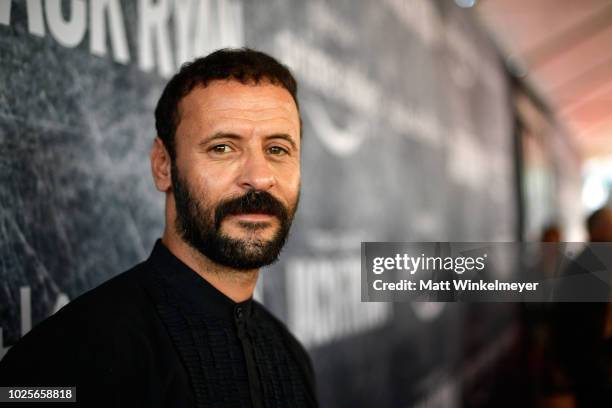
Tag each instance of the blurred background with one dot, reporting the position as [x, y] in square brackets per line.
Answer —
[424, 120]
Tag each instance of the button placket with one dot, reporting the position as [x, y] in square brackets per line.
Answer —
[238, 313]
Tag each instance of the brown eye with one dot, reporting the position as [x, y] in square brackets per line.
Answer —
[221, 148]
[277, 150]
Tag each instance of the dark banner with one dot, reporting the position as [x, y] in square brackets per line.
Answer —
[407, 137]
[485, 272]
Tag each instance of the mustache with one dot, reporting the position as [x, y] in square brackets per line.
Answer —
[253, 202]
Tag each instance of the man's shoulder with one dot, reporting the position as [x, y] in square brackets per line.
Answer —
[119, 292]
[112, 301]
[93, 318]
[110, 339]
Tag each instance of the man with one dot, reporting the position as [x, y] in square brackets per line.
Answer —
[181, 329]
[582, 331]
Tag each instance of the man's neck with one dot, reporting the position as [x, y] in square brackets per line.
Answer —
[237, 285]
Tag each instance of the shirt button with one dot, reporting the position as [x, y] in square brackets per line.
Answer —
[239, 313]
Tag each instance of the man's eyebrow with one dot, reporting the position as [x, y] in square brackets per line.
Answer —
[283, 136]
[220, 135]
[234, 136]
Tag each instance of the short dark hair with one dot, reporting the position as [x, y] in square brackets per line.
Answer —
[595, 218]
[244, 65]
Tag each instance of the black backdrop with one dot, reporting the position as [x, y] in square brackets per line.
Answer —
[407, 137]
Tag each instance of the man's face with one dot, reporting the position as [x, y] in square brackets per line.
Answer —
[236, 175]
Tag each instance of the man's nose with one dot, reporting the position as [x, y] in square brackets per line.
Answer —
[256, 173]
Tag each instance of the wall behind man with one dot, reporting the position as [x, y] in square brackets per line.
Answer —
[407, 136]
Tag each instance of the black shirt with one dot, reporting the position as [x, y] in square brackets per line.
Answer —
[159, 335]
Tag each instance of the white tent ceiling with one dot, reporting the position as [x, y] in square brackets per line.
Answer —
[566, 46]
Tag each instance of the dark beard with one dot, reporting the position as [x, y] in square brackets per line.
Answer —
[200, 226]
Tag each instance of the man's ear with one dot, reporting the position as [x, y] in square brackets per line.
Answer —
[161, 166]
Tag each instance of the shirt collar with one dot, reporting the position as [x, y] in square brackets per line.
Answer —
[194, 289]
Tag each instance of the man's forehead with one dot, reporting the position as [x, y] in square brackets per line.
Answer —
[228, 95]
